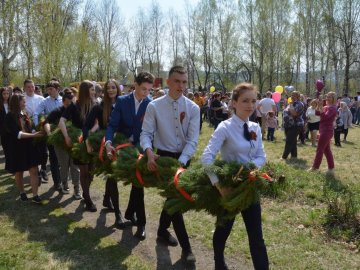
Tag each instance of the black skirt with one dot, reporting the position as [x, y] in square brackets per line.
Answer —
[22, 154]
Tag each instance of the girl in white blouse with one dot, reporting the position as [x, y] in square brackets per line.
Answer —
[240, 140]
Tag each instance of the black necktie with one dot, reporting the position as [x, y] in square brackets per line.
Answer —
[246, 132]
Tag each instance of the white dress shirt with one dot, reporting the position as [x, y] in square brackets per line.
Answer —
[229, 139]
[32, 103]
[137, 103]
[172, 125]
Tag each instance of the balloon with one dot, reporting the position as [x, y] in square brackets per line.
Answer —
[291, 88]
[212, 89]
[286, 88]
[319, 85]
[289, 100]
[279, 89]
[276, 96]
[121, 87]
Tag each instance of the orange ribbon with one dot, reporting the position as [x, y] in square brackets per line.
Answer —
[102, 146]
[180, 189]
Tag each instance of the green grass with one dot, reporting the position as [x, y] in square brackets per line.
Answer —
[296, 223]
[41, 237]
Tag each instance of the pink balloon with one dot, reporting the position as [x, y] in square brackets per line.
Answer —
[276, 97]
[319, 85]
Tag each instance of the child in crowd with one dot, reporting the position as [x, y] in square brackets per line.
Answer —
[272, 124]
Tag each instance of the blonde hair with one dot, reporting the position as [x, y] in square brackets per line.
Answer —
[333, 95]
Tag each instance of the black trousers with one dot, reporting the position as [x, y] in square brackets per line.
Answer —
[291, 142]
[54, 165]
[176, 219]
[337, 132]
[252, 220]
[136, 205]
[112, 192]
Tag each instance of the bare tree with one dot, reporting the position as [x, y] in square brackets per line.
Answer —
[9, 35]
[108, 17]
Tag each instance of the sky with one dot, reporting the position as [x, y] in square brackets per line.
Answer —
[130, 8]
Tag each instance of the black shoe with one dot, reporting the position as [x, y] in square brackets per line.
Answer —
[44, 176]
[36, 199]
[187, 256]
[140, 233]
[107, 203]
[132, 218]
[23, 197]
[119, 221]
[91, 207]
[167, 239]
[221, 266]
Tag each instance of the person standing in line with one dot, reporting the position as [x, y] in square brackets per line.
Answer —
[4, 109]
[98, 118]
[22, 154]
[32, 102]
[234, 141]
[65, 160]
[327, 117]
[127, 118]
[266, 105]
[50, 103]
[171, 125]
[77, 113]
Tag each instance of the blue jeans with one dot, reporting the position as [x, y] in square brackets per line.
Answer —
[252, 220]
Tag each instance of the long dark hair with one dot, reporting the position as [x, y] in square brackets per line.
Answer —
[3, 89]
[107, 101]
[84, 99]
[15, 111]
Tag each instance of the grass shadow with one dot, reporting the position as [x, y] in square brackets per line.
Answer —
[66, 236]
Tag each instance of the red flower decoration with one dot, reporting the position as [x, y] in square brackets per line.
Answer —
[252, 176]
[253, 135]
[182, 116]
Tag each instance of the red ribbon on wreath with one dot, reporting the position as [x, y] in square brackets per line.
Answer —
[137, 172]
[186, 195]
[102, 147]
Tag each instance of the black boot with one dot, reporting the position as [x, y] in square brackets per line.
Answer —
[119, 221]
[107, 203]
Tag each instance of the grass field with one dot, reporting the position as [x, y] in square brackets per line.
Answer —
[312, 223]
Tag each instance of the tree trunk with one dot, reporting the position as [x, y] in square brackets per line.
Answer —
[6, 71]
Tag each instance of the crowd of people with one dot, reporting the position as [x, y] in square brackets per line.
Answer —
[162, 123]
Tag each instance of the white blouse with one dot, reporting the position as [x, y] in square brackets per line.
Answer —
[229, 139]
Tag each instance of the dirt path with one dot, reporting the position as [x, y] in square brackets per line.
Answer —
[149, 250]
